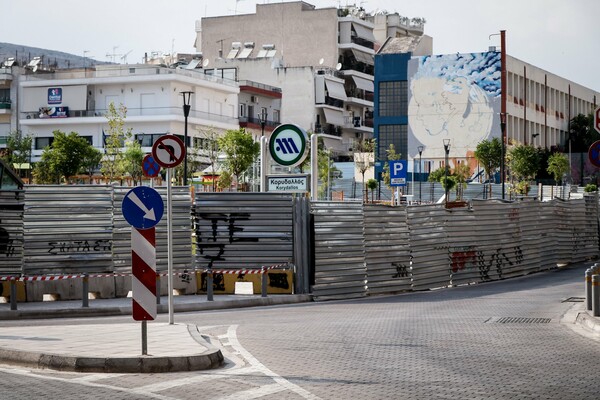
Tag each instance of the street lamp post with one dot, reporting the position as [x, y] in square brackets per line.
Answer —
[186, 112]
[263, 121]
[447, 151]
[503, 132]
[420, 148]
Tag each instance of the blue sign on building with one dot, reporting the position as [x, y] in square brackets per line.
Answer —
[54, 95]
[142, 207]
[398, 172]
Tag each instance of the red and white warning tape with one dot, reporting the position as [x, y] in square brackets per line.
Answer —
[245, 271]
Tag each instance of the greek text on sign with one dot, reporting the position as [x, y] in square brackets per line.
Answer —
[168, 151]
[287, 183]
[398, 172]
[287, 145]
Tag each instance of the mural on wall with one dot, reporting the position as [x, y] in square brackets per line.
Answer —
[456, 97]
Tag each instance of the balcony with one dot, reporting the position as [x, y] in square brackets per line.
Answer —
[5, 106]
[254, 123]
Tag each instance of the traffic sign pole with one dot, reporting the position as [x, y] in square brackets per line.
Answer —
[169, 247]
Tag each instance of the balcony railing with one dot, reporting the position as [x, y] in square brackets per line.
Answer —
[5, 105]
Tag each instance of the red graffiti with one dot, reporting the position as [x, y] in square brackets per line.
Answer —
[460, 259]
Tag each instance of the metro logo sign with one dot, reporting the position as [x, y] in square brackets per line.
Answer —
[287, 145]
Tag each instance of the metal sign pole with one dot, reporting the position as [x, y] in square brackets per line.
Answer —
[169, 247]
[144, 338]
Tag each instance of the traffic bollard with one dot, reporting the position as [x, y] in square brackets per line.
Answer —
[596, 295]
[85, 295]
[263, 282]
[209, 285]
[588, 289]
[13, 294]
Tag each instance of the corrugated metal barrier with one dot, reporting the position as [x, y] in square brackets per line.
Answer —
[11, 231]
[339, 256]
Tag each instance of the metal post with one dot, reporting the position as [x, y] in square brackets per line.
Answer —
[186, 112]
[314, 167]
[169, 247]
[588, 289]
[144, 338]
[209, 285]
[263, 282]
[420, 148]
[13, 294]
[502, 149]
[447, 151]
[157, 288]
[85, 291]
[596, 295]
[264, 164]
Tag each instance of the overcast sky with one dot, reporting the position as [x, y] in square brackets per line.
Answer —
[560, 36]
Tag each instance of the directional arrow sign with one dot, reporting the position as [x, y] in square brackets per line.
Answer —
[143, 207]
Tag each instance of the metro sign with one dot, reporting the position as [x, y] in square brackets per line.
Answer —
[287, 145]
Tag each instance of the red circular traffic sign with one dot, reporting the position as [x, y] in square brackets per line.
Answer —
[168, 151]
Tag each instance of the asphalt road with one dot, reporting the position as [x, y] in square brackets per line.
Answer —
[499, 340]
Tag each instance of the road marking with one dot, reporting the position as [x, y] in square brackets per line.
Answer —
[231, 333]
[255, 393]
[157, 387]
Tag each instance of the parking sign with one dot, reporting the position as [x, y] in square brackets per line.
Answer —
[398, 172]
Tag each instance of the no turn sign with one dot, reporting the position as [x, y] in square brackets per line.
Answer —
[168, 151]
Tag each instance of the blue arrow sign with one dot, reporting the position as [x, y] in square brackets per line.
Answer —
[398, 172]
[142, 207]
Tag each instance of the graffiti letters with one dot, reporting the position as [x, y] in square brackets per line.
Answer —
[467, 258]
[79, 246]
[278, 280]
[401, 270]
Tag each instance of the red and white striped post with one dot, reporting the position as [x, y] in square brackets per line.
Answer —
[143, 281]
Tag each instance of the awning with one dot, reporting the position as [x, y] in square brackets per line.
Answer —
[364, 32]
[334, 117]
[336, 89]
[363, 57]
[363, 84]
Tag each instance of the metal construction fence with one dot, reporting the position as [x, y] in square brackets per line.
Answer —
[337, 249]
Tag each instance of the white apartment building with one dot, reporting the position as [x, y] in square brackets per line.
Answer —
[322, 59]
[76, 100]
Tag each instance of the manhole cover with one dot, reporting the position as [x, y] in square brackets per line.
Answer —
[519, 320]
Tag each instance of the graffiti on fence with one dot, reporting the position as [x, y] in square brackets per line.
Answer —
[79, 246]
[6, 243]
[401, 270]
[278, 280]
[463, 259]
[185, 277]
[498, 259]
[223, 231]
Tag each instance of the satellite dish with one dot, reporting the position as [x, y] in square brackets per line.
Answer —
[321, 61]
[205, 62]
[338, 66]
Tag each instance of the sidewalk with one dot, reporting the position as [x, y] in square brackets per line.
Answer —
[118, 347]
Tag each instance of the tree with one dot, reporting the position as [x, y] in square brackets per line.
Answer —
[327, 172]
[18, 149]
[558, 165]
[131, 162]
[391, 155]
[461, 173]
[64, 158]
[372, 185]
[437, 175]
[112, 163]
[523, 160]
[225, 180]
[364, 156]
[489, 155]
[209, 147]
[240, 150]
[91, 160]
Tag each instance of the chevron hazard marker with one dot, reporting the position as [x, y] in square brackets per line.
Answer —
[143, 281]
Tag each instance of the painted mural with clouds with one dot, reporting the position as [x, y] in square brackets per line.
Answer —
[455, 96]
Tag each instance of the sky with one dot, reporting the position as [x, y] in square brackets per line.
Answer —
[559, 36]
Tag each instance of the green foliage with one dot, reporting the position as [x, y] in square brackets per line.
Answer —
[489, 155]
[590, 187]
[19, 148]
[225, 180]
[363, 156]
[63, 159]
[437, 175]
[558, 165]
[461, 173]
[582, 133]
[391, 156]
[448, 183]
[521, 187]
[240, 150]
[90, 160]
[131, 162]
[116, 135]
[371, 185]
[523, 160]
[327, 172]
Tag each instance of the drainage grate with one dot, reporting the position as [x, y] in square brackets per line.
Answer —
[522, 320]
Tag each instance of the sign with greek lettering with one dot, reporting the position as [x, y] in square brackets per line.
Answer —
[287, 145]
[287, 183]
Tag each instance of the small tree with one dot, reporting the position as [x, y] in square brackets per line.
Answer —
[209, 147]
[461, 173]
[18, 149]
[240, 150]
[558, 165]
[489, 155]
[114, 140]
[372, 185]
[132, 159]
[363, 157]
[437, 175]
[390, 155]
[523, 160]
[90, 161]
[225, 180]
[64, 158]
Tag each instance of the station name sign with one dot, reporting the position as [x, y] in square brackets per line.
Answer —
[287, 183]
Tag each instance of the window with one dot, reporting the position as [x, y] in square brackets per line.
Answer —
[43, 142]
[276, 116]
[89, 139]
[148, 139]
[242, 110]
[393, 98]
[392, 134]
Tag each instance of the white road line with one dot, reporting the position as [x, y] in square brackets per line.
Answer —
[231, 333]
[255, 393]
[157, 387]
[94, 377]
